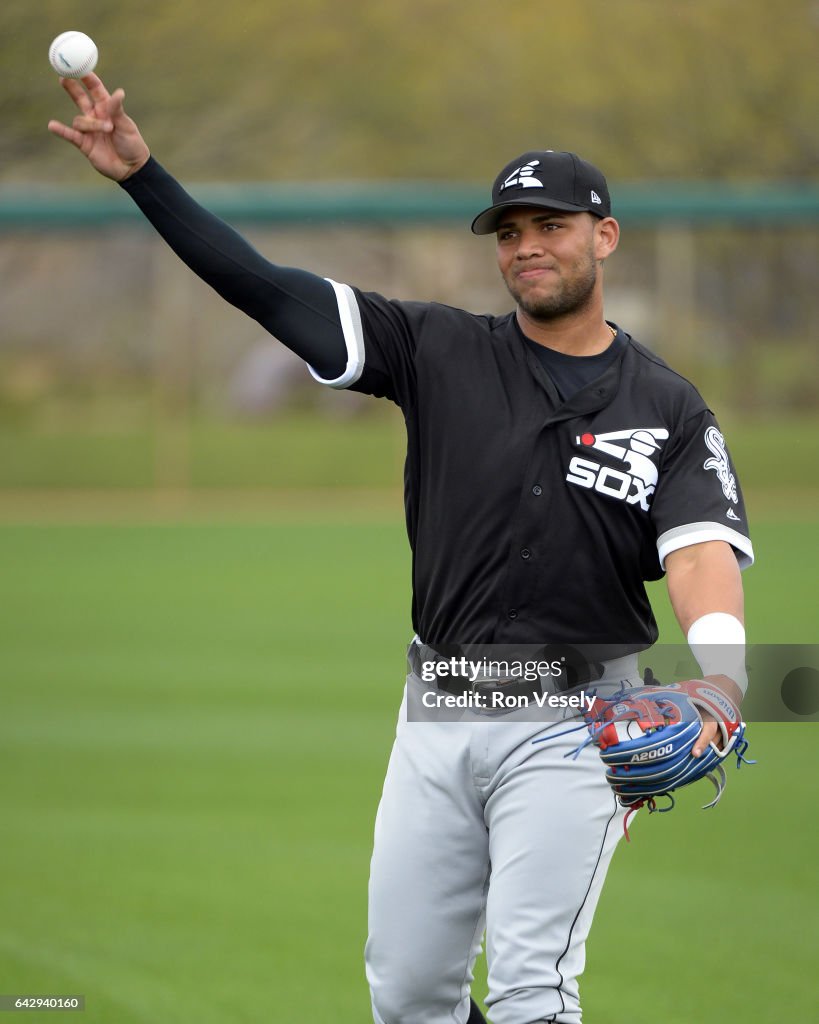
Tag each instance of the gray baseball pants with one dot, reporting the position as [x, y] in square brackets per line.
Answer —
[478, 830]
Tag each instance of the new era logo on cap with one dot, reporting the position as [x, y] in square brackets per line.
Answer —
[557, 181]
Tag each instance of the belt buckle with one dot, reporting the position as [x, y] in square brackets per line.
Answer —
[509, 687]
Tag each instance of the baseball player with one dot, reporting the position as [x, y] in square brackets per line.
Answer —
[553, 466]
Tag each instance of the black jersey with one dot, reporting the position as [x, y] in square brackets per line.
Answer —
[533, 520]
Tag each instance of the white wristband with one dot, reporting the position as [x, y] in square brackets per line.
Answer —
[717, 641]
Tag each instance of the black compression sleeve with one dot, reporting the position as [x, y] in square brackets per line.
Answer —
[298, 307]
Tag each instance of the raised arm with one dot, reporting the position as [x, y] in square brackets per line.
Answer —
[297, 307]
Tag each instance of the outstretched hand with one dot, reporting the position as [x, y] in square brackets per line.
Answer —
[102, 131]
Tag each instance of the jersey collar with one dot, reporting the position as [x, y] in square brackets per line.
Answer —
[596, 395]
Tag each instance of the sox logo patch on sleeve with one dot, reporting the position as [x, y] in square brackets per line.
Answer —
[720, 463]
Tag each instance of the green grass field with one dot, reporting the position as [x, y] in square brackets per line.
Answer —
[194, 725]
[100, 445]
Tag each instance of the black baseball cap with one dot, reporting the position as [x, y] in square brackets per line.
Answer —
[556, 181]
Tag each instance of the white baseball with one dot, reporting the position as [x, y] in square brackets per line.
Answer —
[73, 54]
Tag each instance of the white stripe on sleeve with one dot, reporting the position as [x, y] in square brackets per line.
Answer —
[699, 533]
[353, 338]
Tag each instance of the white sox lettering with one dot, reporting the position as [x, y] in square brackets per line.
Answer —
[634, 487]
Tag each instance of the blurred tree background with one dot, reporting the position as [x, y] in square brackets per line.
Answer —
[193, 740]
[118, 369]
[431, 88]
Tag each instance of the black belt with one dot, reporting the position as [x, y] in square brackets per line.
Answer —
[577, 670]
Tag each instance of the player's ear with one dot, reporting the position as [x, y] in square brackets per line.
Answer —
[606, 237]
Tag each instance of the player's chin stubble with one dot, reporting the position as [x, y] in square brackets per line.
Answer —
[570, 294]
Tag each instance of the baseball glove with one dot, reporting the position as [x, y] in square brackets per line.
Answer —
[645, 737]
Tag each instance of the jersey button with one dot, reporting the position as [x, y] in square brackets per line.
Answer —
[512, 613]
[525, 553]
[537, 490]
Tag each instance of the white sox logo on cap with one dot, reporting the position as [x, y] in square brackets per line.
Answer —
[634, 446]
[523, 177]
